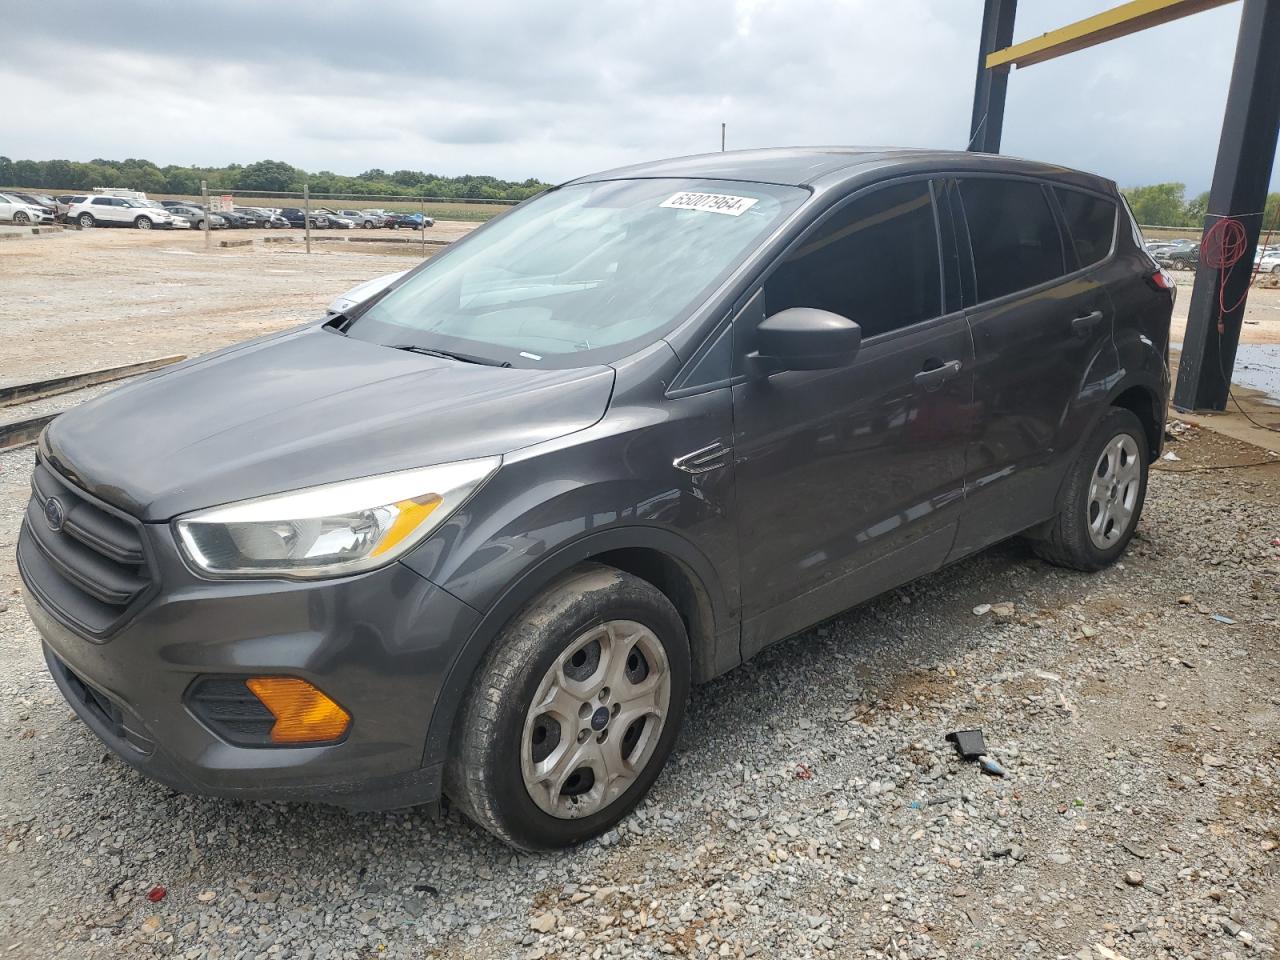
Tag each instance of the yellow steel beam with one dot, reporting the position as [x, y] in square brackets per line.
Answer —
[1117, 22]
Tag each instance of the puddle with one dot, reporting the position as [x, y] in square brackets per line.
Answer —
[1258, 367]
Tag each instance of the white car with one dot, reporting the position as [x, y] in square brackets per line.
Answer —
[365, 219]
[1269, 264]
[104, 211]
[362, 292]
[17, 211]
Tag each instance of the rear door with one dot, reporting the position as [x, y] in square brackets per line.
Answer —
[1043, 350]
[850, 480]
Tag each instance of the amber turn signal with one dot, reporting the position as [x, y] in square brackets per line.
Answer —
[303, 714]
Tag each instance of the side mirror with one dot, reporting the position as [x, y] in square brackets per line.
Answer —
[804, 338]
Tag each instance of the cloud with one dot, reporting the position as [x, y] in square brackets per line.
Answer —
[559, 88]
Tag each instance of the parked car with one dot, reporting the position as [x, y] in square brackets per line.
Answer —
[362, 218]
[412, 221]
[66, 202]
[105, 211]
[252, 216]
[295, 218]
[40, 200]
[481, 533]
[1269, 264]
[15, 210]
[361, 292]
[1180, 257]
[335, 220]
[235, 221]
[197, 216]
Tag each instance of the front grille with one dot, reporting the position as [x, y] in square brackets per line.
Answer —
[85, 561]
[119, 722]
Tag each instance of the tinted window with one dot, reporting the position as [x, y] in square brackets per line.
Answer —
[1091, 222]
[875, 262]
[1015, 238]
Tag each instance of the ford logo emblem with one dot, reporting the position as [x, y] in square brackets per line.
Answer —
[54, 515]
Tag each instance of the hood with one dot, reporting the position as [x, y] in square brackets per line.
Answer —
[306, 408]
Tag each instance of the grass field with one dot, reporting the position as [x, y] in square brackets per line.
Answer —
[1171, 233]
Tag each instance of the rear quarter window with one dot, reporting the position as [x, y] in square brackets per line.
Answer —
[1015, 238]
[1091, 221]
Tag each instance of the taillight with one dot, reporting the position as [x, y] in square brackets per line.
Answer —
[1162, 280]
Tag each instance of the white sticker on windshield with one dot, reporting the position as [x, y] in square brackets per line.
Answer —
[710, 203]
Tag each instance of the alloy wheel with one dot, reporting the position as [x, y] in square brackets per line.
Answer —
[1113, 491]
[596, 719]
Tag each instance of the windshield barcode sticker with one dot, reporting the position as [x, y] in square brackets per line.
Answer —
[710, 203]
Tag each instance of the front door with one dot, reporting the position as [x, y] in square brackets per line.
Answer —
[850, 481]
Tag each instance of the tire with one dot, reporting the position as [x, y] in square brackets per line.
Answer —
[1275, 271]
[1097, 522]
[86, 220]
[368, 224]
[20, 218]
[494, 763]
[143, 223]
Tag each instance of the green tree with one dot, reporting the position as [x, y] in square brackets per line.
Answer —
[267, 175]
[1158, 205]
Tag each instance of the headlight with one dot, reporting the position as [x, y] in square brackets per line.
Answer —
[331, 530]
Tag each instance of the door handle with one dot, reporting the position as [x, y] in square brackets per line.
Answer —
[1081, 326]
[934, 377]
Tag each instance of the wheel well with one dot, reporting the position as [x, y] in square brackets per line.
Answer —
[686, 593]
[1141, 402]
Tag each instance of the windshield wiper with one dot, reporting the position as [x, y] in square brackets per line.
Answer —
[448, 355]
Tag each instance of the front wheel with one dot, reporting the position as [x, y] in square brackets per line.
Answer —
[143, 223]
[573, 712]
[21, 218]
[368, 224]
[1275, 271]
[1103, 499]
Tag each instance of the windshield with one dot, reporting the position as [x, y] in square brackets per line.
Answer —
[584, 274]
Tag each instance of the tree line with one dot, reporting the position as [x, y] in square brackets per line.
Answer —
[268, 175]
[1166, 205]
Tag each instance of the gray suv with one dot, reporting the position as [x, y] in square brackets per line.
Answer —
[478, 535]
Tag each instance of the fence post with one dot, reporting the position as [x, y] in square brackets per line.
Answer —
[422, 209]
[306, 213]
[208, 225]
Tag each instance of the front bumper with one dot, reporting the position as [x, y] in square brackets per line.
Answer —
[379, 644]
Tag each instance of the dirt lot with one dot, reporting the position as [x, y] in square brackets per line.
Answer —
[812, 808]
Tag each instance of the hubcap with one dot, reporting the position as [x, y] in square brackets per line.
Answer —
[1113, 491]
[596, 719]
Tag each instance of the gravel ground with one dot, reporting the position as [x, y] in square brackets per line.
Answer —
[812, 808]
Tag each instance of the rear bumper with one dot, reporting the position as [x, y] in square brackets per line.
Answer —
[378, 644]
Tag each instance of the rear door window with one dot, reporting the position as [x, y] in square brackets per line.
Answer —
[1091, 221]
[1015, 238]
[875, 262]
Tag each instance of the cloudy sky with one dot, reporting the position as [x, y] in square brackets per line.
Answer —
[555, 88]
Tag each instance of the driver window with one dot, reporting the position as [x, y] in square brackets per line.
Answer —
[874, 261]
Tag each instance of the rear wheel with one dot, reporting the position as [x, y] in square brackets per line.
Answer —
[1104, 495]
[86, 220]
[1275, 271]
[573, 713]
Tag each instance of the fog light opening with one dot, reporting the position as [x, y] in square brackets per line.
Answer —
[303, 713]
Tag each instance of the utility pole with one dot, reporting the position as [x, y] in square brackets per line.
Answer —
[208, 223]
[306, 213]
[722, 125]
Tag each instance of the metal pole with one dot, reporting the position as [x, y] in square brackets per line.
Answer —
[1246, 151]
[422, 208]
[987, 122]
[306, 213]
[722, 137]
[208, 225]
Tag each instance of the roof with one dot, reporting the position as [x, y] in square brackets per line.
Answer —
[833, 166]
